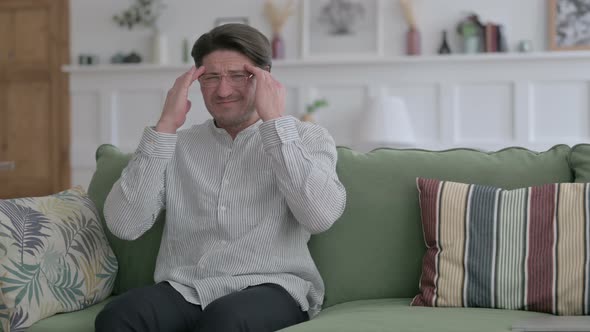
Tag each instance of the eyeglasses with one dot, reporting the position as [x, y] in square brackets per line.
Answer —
[234, 79]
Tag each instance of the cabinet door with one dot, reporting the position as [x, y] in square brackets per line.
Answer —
[5, 164]
[7, 38]
[34, 114]
[31, 25]
[29, 140]
[30, 54]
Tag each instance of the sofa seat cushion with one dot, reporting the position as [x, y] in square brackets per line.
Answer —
[397, 315]
[367, 316]
[76, 321]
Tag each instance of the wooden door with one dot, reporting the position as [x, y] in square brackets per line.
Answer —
[34, 112]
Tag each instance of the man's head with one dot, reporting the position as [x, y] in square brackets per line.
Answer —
[228, 90]
[241, 38]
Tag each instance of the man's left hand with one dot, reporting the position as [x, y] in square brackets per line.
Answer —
[270, 94]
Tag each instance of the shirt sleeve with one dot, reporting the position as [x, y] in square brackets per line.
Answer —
[304, 160]
[136, 199]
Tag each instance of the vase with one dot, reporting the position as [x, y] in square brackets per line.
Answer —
[159, 48]
[307, 118]
[413, 41]
[471, 44]
[278, 46]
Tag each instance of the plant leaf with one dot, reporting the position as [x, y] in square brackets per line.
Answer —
[27, 227]
[23, 278]
[18, 320]
[67, 287]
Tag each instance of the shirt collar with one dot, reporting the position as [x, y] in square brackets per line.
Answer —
[220, 131]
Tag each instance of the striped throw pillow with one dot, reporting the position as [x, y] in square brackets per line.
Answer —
[521, 249]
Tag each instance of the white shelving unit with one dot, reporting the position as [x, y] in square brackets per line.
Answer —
[486, 101]
[371, 61]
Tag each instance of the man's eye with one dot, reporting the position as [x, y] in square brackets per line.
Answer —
[211, 78]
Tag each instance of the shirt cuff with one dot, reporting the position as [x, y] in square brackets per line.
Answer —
[156, 144]
[278, 131]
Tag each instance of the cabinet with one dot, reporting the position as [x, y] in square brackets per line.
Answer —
[34, 108]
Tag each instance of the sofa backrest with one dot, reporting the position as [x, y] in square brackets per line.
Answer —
[375, 249]
[580, 162]
[137, 259]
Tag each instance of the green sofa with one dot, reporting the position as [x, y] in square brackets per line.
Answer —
[371, 258]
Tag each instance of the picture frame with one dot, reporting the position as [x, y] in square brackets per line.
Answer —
[341, 29]
[235, 19]
[569, 25]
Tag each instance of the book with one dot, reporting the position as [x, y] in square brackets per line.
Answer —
[491, 37]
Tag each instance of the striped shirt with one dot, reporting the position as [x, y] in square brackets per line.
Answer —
[238, 212]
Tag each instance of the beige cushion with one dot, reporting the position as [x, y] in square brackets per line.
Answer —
[54, 256]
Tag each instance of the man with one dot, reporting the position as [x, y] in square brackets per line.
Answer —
[242, 192]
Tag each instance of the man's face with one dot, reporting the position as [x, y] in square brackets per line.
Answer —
[228, 90]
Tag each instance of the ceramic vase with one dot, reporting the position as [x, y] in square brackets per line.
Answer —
[413, 42]
[278, 46]
[159, 48]
[307, 118]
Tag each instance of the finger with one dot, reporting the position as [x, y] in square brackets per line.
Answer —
[200, 71]
[187, 78]
[254, 70]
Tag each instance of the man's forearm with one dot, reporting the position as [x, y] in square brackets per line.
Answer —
[306, 173]
[137, 198]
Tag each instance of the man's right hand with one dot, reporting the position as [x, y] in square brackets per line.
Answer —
[177, 104]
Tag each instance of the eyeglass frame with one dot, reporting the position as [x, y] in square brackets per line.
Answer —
[247, 76]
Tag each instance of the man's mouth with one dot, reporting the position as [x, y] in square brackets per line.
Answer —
[227, 101]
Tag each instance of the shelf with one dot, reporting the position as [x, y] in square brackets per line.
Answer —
[452, 58]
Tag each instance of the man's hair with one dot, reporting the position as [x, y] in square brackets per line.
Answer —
[237, 37]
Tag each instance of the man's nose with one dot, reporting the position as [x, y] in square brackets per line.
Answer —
[224, 89]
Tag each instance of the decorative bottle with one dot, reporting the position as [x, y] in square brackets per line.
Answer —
[278, 46]
[413, 41]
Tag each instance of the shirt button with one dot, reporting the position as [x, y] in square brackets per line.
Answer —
[223, 242]
[226, 182]
[222, 208]
[281, 129]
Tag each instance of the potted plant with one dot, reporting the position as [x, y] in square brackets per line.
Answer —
[142, 12]
[146, 13]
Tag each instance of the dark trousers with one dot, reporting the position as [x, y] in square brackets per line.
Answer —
[161, 308]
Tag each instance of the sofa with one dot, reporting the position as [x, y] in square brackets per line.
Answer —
[371, 259]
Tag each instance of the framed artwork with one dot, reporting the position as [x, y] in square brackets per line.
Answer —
[225, 20]
[341, 28]
[569, 24]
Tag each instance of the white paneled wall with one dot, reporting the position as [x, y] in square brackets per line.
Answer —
[482, 101]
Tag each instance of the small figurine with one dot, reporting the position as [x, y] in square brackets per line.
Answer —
[444, 47]
[132, 58]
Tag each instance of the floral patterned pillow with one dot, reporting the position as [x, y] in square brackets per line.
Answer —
[4, 316]
[54, 257]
